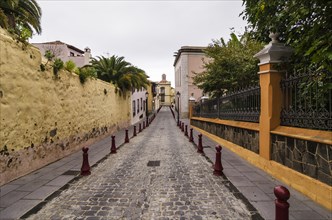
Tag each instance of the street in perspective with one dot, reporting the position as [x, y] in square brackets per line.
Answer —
[164, 110]
[158, 175]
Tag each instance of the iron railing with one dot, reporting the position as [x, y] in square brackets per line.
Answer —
[307, 100]
[241, 105]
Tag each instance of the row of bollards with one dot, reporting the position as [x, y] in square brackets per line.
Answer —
[282, 194]
[85, 169]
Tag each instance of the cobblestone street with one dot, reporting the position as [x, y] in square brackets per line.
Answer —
[124, 187]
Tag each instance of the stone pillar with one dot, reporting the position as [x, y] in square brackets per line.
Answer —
[191, 104]
[269, 79]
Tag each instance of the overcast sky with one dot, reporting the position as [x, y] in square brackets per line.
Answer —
[146, 33]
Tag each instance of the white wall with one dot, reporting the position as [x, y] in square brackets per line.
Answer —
[141, 112]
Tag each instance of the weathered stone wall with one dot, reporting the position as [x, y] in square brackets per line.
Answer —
[243, 137]
[44, 117]
[307, 157]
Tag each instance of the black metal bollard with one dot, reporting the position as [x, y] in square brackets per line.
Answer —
[191, 138]
[126, 137]
[134, 131]
[139, 128]
[200, 146]
[186, 131]
[281, 203]
[85, 169]
[182, 126]
[113, 148]
[179, 124]
[218, 166]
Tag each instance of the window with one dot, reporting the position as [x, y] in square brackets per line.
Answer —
[144, 105]
[141, 103]
[137, 106]
[134, 108]
[71, 54]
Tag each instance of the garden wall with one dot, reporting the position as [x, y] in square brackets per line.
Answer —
[44, 117]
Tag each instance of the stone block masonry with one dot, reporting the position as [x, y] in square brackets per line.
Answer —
[310, 158]
[245, 138]
[44, 117]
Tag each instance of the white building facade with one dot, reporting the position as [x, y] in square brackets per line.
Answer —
[138, 105]
[66, 52]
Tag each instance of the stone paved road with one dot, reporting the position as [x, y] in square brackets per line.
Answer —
[124, 187]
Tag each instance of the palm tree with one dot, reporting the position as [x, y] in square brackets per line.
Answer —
[110, 69]
[20, 14]
[121, 73]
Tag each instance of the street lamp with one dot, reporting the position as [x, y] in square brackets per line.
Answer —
[146, 109]
[178, 95]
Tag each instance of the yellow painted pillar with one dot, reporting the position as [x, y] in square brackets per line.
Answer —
[270, 107]
[271, 94]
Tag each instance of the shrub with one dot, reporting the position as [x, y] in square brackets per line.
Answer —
[57, 65]
[70, 66]
[86, 72]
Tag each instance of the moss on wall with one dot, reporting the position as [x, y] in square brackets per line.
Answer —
[44, 117]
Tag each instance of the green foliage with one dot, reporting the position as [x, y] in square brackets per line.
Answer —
[304, 25]
[86, 72]
[20, 16]
[121, 73]
[57, 66]
[232, 65]
[70, 66]
[49, 55]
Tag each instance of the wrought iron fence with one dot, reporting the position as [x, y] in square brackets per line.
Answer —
[307, 100]
[241, 105]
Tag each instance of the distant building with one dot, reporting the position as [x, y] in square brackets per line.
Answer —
[188, 60]
[164, 93]
[138, 105]
[153, 103]
[66, 52]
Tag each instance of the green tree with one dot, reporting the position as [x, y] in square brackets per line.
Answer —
[121, 73]
[304, 25]
[110, 69]
[232, 65]
[20, 16]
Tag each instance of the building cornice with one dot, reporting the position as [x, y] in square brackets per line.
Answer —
[188, 49]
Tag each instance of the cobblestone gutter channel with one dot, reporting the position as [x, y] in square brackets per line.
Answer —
[123, 186]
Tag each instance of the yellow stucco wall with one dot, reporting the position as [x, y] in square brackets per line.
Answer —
[44, 118]
[167, 93]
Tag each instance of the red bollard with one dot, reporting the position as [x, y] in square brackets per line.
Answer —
[85, 169]
[282, 205]
[139, 128]
[191, 137]
[143, 125]
[126, 138]
[113, 148]
[182, 127]
[218, 166]
[134, 131]
[200, 146]
[186, 131]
